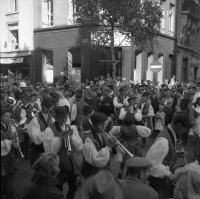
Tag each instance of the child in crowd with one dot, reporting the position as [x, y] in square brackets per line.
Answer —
[159, 120]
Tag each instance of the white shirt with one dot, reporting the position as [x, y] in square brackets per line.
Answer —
[53, 144]
[156, 154]
[96, 158]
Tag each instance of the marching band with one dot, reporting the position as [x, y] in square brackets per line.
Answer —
[86, 145]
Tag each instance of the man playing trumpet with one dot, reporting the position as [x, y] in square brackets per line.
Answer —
[64, 140]
[97, 146]
[9, 142]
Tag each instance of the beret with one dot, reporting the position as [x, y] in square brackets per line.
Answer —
[138, 162]
[61, 110]
[47, 102]
[98, 117]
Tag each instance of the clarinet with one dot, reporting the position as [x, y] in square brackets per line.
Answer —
[15, 137]
[67, 143]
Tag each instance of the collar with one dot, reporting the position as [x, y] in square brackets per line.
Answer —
[172, 130]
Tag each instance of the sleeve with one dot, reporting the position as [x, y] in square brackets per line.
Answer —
[73, 112]
[5, 147]
[34, 132]
[76, 139]
[50, 142]
[94, 157]
[156, 155]
[122, 114]
[143, 131]
[116, 103]
[151, 111]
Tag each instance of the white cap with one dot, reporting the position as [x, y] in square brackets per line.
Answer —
[22, 85]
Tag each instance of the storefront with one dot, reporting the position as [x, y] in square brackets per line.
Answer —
[16, 69]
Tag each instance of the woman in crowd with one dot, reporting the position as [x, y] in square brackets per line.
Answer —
[43, 186]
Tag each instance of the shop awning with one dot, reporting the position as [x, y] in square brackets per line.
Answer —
[11, 60]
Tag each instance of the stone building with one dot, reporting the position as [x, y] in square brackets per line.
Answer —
[16, 39]
[188, 40]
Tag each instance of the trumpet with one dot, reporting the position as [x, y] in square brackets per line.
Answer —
[15, 137]
[121, 147]
[67, 143]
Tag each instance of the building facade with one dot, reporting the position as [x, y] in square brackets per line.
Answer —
[188, 40]
[16, 40]
[48, 38]
[56, 34]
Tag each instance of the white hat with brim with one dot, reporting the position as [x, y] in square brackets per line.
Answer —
[22, 85]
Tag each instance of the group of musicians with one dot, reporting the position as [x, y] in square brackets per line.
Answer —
[82, 152]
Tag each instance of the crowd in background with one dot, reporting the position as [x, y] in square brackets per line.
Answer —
[69, 132]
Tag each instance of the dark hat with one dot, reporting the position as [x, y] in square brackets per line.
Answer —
[101, 186]
[138, 163]
[34, 93]
[61, 111]
[182, 118]
[167, 89]
[47, 102]
[180, 90]
[79, 93]
[24, 96]
[131, 98]
[145, 94]
[98, 117]
[54, 94]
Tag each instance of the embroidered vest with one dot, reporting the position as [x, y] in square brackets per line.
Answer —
[88, 169]
[6, 132]
[42, 122]
[170, 158]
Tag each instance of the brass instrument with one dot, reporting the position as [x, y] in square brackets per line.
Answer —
[121, 147]
[16, 138]
[67, 143]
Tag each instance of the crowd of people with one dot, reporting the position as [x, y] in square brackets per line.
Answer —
[70, 133]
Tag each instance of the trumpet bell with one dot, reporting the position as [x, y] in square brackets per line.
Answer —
[11, 101]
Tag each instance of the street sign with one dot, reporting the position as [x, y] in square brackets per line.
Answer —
[156, 66]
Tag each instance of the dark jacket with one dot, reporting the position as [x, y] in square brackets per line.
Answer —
[135, 188]
[42, 190]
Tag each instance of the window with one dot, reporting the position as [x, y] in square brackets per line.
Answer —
[75, 10]
[13, 37]
[162, 21]
[13, 5]
[47, 13]
[171, 19]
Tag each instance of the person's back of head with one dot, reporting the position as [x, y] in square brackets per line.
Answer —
[188, 182]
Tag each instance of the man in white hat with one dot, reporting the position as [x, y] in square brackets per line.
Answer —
[22, 88]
